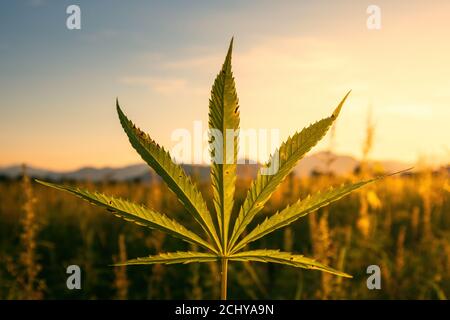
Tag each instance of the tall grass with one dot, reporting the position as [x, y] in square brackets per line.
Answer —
[413, 265]
[26, 267]
[120, 272]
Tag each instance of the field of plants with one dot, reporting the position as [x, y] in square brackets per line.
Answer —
[400, 223]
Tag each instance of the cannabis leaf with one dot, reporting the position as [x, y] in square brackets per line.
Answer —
[223, 244]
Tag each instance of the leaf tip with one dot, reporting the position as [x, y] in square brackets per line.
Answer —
[346, 275]
[339, 107]
[118, 106]
[44, 183]
[398, 172]
[119, 264]
[229, 54]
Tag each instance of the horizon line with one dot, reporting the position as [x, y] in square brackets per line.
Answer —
[253, 162]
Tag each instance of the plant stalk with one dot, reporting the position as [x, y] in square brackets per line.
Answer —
[224, 274]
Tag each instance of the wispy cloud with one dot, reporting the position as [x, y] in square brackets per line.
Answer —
[192, 63]
[159, 85]
[105, 34]
[37, 3]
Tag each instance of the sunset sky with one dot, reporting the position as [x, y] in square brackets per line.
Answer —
[293, 62]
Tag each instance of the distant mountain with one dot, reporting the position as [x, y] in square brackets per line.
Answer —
[340, 164]
[318, 162]
[15, 171]
[131, 172]
[87, 173]
[326, 161]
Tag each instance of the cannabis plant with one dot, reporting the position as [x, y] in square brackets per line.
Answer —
[226, 234]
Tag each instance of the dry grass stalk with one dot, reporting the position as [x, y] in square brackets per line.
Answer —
[120, 272]
[323, 250]
[364, 221]
[27, 277]
[400, 253]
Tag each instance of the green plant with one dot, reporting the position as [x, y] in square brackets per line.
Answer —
[225, 242]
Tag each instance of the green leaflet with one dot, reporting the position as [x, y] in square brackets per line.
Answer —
[136, 213]
[173, 174]
[223, 120]
[172, 258]
[290, 152]
[298, 210]
[286, 258]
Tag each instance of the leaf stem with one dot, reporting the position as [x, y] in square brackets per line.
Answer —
[224, 274]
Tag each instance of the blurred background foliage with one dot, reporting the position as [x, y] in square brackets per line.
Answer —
[401, 223]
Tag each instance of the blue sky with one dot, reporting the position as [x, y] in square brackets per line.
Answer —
[294, 61]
